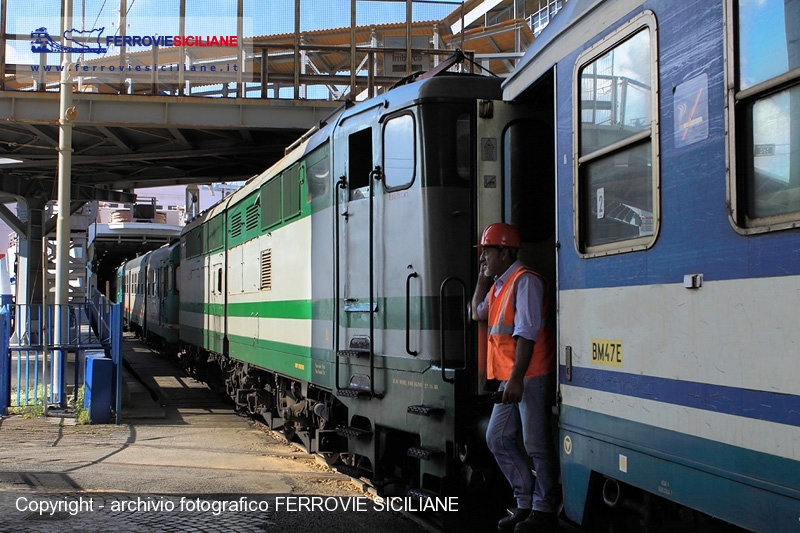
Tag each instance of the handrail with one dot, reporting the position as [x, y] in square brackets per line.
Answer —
[409, 351]
[374, 175]
[442, 334]
[341, 184]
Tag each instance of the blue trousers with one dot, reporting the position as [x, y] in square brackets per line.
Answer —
[531, 417]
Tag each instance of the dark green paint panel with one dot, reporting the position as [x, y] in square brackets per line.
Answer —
[288, 359]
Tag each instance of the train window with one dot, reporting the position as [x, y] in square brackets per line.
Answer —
[463, 147]
[271, 203]
[616, 127]
[291, 192]
[359, 163]
[765, 100]
[318, 173]
[448, 150]
[399, 152]
[529, 179]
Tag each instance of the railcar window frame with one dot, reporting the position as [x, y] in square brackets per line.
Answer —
[318, 172]
[592, 159]
[388, 181]
[742, 139]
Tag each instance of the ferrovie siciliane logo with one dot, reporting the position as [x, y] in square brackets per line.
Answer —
[83, 42]
[90, 41]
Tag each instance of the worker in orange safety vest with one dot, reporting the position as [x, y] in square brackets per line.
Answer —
[512, 298]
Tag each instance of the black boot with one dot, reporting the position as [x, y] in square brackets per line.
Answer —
[538, 522]
[506, 524]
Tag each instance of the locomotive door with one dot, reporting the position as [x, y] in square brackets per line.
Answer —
[161, 290]
[215, 318]
[358, 249]
[516, 184]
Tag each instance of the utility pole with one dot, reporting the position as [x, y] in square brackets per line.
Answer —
[66, 114]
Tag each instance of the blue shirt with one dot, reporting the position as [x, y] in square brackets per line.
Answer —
[528, 302]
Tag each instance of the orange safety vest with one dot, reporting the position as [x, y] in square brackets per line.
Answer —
[503, 346]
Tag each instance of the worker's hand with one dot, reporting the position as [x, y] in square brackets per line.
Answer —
[512, 393]
[483, 275]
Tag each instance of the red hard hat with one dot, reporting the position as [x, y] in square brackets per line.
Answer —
[500, 234]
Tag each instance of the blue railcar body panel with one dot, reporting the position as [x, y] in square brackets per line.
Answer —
[696, 235]
[715, 480]
[756, 404]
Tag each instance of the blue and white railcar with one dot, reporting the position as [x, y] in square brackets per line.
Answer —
[677, 149]
[133, 303]
[162, 295]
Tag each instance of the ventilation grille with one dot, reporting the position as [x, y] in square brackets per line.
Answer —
[266, 270]
[251, 217]
[236, 225]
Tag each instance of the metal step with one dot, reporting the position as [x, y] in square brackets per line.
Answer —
[425, 410]
[354, 393]
[353, 471]
[353, 353]
[353, 433]
[421, 452]
[421, 494]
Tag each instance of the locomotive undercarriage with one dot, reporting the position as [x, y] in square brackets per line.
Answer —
[356, 446]
[298, 410]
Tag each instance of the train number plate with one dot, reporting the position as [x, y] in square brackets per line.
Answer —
[606, 352]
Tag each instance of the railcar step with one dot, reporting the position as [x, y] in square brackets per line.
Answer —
[353, 353]
[421, 452]
[353, 433]
[420, 493]
[354, 393]
[353, 471]
[425, 410]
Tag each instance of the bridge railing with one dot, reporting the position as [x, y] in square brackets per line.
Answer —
[269, 71]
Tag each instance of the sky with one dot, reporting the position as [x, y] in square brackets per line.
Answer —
[161, 17]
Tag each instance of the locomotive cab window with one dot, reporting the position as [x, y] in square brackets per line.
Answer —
[399, 152]
[318, 172]
[359, 163]
[765, 99]
[616, 129]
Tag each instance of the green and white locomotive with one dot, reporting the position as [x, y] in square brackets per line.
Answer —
[330, 292]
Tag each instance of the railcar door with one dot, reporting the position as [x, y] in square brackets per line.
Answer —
[216, 298]
[516, 183]
[358, 248]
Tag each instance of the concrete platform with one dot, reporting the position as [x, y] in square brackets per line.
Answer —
[179, 454]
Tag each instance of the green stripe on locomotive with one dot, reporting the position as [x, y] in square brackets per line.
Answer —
[391, 313]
